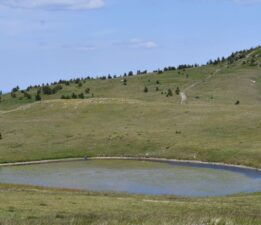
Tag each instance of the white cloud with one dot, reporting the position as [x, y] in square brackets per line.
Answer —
[54, 4]
[143, 44]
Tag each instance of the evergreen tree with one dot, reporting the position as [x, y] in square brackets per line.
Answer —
[169, 93]
[38, 97]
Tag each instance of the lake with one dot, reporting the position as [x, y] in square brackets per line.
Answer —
[137, 177]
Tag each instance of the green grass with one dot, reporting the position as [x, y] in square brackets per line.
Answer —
[114, 127]
[124, 121]
[27, 205]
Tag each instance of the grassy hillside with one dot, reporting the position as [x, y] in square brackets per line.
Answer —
[76, 208]
[122, 120]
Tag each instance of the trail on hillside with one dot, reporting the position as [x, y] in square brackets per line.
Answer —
[23, 107]
[183, 95]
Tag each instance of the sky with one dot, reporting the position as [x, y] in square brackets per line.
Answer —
[46, 40]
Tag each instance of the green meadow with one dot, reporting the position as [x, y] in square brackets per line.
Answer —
[31, 205]
[219, 122]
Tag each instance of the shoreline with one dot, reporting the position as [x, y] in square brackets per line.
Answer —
[195, 162]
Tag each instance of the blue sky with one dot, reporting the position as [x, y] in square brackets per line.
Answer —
[46, 40]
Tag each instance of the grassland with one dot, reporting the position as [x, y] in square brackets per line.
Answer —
[124, 121]
[121, 120]
[30, 205]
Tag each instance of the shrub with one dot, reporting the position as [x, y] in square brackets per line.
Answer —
[237, 102]
[74, 96]
[169, 93]
[27, 95]
[38, 97]
[80, 84]
[65, 97]
[81, 96]
[87, 90]
[13, 95]
[177, 91]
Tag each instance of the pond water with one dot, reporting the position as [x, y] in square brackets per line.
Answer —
[137, 177]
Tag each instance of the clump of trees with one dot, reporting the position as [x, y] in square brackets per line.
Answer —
[15, 89]
[139, 72]
[73, 96]
[48, 90]
[185, 66]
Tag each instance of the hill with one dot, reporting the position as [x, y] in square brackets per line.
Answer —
[141, 115]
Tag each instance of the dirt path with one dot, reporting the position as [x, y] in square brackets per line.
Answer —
[23, 107]
[183, 95]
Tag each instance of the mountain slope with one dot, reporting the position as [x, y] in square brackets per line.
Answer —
[122, 120]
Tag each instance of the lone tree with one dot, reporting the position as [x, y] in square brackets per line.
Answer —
[1, 137]
[130, 74]
[145, 89]
[169, 93]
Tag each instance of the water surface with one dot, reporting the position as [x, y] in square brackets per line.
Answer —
[137, 177]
